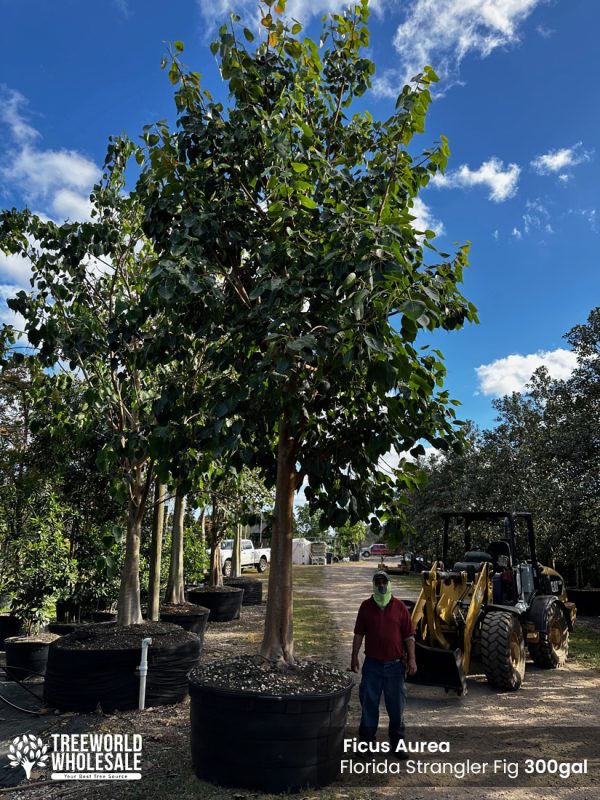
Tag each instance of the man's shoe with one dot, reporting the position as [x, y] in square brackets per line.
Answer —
[398, 749]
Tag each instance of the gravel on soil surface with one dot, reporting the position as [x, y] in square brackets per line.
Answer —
[254, 674]
[110, 636]
[183, 608]
[39, 638]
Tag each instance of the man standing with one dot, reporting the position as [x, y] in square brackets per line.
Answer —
[385, 622]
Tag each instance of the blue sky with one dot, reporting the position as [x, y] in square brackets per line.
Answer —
[518, 101]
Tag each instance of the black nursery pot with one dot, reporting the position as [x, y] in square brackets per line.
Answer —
[64, 628]
[104, 616]
[586, 600]
[96, 666]
[25, 658]
[267, 742]
[224, 604]
[194, 621]
[253, 589]
[9, 626]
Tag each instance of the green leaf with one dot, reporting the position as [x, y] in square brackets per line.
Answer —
[412, 308]
[298, 167]
[179, 46]
[248, 34]
[307, 202]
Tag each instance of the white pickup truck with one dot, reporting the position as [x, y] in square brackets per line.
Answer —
[250, 557]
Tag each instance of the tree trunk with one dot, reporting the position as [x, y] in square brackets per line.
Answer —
[215, 571]
[203, 527]
[236, 553]
[175, 587]
[128, 607]
[160, 491]
[278, 638]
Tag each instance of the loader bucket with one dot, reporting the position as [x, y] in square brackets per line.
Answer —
[437, 667]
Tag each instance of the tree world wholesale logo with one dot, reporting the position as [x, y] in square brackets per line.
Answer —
[81, 756]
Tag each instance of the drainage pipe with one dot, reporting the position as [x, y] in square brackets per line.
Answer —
[143, 671]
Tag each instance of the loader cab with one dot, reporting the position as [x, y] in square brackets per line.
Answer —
[503, 539]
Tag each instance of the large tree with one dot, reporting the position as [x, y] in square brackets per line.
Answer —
[84, 321]
[284, 228]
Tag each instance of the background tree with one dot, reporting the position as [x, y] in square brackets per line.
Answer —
[83, 312]
[307, 524]
[283, 232]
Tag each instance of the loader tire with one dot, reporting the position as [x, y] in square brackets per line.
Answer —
[503, 650]
[552, 649]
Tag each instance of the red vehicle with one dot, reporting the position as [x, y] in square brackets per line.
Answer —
[376, 551]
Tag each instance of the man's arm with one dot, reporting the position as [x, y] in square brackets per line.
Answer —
[356, 645]
[411, 666]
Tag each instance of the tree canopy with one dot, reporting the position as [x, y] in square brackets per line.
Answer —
[284, 234]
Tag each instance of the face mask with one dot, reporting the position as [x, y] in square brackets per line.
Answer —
[382, 594]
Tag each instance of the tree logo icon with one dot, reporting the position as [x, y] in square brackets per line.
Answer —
[27, 751]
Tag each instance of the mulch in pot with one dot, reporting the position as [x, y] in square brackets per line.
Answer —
[97, 665]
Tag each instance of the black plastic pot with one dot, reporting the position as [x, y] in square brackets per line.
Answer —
[81, 679]
[267, 742]
[586, 600]
[224, 605]
[64, 628]
[67, 611]
[194, 621]
[104, 616]
[9, 626]
[253, 589]
[25, 657]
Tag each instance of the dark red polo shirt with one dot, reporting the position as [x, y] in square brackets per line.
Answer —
[384, 629]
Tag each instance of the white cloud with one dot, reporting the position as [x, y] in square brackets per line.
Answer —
[67, 204]
[588, 214]
[536, 217]
[11, 115]
[495, 234]
[443, 32]
[501, 182]
[57, 180]
[40, 173]
[517, 233]
[424, 219]
[511, 374]
[123, 7]
[545, 32]
[216, 11]
[15, 268]
[560, 160]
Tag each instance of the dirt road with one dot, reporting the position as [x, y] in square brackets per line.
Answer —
[556, 713]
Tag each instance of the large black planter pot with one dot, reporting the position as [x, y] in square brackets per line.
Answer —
[194, 621]
[252, 589]
[64, 628]
[86, 669]
[267, 742]
[25, 658]
[104, 616]
[9, 626]
[586, 600]
[224, 604]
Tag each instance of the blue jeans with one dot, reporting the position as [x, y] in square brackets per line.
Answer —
[388, 678]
